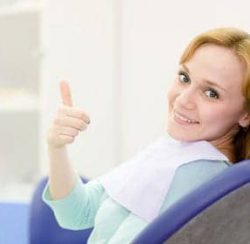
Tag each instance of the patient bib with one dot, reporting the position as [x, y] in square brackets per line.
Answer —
[141, 183]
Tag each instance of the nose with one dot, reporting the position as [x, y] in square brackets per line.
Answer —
[186, 99]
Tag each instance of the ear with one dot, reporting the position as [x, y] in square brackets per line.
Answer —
[245, 120]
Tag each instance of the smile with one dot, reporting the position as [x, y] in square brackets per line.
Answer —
[183, 120]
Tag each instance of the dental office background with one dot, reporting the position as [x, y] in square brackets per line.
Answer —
[119, 57]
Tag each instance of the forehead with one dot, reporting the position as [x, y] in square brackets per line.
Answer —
[218, 64]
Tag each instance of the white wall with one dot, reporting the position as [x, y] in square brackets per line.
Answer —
[79, 45]
[119, 57]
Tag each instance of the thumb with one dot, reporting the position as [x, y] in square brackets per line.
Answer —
[65, 93]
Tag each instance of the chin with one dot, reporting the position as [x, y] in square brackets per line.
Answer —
[181, 136]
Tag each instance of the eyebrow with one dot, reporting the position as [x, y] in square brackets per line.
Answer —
[211, 83]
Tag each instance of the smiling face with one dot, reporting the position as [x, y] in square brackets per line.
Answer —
[205, 101]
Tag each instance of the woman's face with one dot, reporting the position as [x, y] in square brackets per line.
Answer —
[205, 101]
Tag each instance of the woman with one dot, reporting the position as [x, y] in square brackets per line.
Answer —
[208, 110]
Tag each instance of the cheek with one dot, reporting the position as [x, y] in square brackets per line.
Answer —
[171, 94]
[218, 115]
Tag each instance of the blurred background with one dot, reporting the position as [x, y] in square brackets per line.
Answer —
[119, 58]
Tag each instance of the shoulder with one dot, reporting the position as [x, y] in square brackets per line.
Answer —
[204, 164]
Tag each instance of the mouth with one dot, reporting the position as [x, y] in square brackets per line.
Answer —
[184, 120]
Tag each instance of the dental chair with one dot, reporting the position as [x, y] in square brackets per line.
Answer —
[218, 212]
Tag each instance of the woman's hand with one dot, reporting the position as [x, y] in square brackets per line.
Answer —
[68, 121]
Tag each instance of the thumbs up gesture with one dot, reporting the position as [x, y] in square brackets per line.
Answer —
[68, 121]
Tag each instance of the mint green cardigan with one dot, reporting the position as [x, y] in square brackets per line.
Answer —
[88, 205]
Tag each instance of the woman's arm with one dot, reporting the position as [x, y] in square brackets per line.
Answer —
[62, 176]
[67, 124]
[78, 209]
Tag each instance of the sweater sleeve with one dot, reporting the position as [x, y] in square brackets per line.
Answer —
[77, 210]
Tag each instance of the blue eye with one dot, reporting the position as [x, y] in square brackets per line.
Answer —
[183, 77]
[212, 93]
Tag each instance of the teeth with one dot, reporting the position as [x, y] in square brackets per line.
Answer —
[185, 119]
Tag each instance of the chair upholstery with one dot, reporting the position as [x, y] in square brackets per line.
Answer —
[14, 222]
[43, 228]
[226, 221]
[217, 212]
